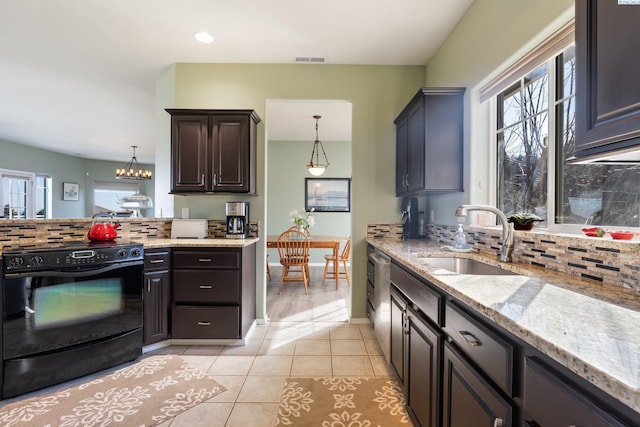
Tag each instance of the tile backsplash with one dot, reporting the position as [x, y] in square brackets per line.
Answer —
[38, 232]
[599, 260]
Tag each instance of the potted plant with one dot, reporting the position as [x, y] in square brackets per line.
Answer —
[523, 221]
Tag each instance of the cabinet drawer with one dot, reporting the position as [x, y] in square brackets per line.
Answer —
[419, 293]
[492, 353]
[157, 260]
[206, 322]
[550, 401]
[206, 259]
[201, 286]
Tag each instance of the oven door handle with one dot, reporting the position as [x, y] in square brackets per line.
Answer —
[82, 271]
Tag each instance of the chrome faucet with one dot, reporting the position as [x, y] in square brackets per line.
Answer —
[507, 227]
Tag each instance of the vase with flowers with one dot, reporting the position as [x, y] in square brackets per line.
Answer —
[302, 220]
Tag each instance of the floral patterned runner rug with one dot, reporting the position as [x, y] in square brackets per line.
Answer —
[342, 402]
[146, 393]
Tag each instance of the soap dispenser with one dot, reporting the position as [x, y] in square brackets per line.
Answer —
[460, 240]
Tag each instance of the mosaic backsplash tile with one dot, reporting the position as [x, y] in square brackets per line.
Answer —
[599, 260]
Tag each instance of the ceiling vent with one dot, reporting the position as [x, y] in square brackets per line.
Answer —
[317, 59]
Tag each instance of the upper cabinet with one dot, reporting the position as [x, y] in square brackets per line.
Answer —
[429, 142]
[213, 151]
[607, 83]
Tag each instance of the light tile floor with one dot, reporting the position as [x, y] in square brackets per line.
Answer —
[254, 374]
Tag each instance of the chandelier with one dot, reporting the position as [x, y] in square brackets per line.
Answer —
[315, 167]
[132, 170]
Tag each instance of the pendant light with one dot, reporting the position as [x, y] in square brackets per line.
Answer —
[132, 170]
[315, 167]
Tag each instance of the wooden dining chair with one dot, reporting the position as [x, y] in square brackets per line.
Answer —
[343, 258]
[268, 269]
[293, 249]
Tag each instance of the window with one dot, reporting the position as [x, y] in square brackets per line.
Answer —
[25, 195]
[536, 136]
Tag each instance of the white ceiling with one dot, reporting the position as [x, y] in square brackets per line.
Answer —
[77, 76]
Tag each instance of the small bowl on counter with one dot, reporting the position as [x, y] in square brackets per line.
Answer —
[621, 234]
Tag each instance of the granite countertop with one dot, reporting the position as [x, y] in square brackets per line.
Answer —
[197, 243]
[592, 329]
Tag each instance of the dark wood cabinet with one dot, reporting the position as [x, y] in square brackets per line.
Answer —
[550, 400]
[459, 368]
[429, 142]
[423, 349]
[214, 292]
[416, 349]
[469, 400]
[213, 151]
[396, 351]
[607, 84]
[493, 354]
[156, 295]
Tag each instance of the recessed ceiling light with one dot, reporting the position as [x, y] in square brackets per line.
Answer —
[203, 37]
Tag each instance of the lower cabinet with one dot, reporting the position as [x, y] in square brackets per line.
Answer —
[459, 369]
[415, 357]
[549, 400]
[422, 362]
[156, 295]
[469, 400]
[213, 292]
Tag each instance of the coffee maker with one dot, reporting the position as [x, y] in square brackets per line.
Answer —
[410, 218]
[237, 220]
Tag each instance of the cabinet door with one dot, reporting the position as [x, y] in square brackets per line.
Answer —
[443, 153]
[396, 355]
[415, 147]
[189, 153]
[549, 401]
[424, 349]
[402, 155]
[607, 70]
[231, 153]
[469, 400]
[156, 306]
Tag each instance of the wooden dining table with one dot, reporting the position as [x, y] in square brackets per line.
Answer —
[318, 242]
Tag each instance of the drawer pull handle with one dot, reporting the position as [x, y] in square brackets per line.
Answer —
[204, 259]
[204, 323]
[498, 422]
[206, 287]
[156, 261]
[472, 341]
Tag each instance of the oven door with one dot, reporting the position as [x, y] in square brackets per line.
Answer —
[52, 310]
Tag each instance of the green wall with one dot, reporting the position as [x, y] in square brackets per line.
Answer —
[377, 93]
[64, 168]
[286, 173]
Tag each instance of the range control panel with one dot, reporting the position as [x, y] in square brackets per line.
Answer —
[17, 260]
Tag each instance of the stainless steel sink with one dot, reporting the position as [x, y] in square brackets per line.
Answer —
[466, 266]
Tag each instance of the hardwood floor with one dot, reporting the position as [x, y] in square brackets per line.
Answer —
[319, 305]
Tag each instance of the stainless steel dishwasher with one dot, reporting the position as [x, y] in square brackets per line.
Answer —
[382, 300]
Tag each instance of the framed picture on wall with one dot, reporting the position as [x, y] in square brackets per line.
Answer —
[70, 191]
[327, 194]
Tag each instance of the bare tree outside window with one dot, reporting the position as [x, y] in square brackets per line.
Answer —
[522, 145]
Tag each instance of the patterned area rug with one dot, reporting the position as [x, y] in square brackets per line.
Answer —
[338, 402]
[146, 393]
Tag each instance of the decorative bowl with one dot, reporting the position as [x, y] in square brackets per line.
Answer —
[622, 235]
